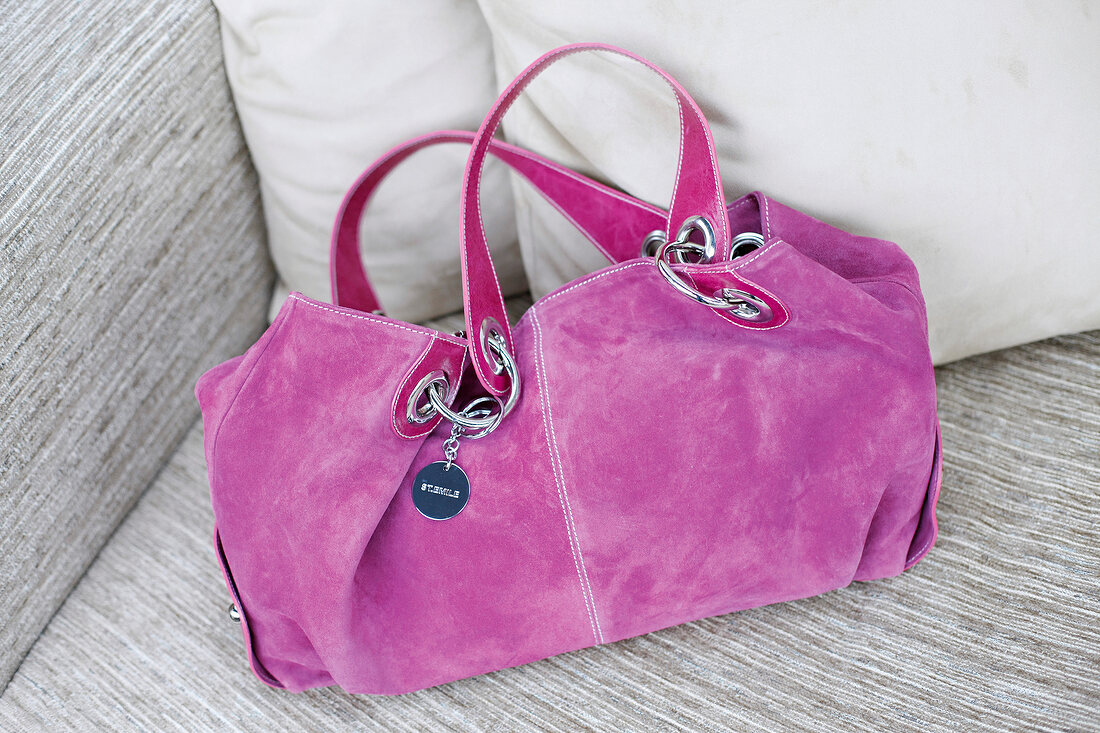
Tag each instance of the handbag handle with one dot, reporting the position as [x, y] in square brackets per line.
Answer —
[697, 193]
[615, 224]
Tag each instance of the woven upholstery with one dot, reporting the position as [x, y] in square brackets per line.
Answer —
[131, 258]
[996, 630]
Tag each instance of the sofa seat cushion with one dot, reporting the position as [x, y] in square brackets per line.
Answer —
[996, 628]
[132, 257]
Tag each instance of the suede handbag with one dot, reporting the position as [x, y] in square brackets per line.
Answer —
[739, 409]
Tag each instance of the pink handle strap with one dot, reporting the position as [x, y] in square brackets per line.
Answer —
[613, 221]
[697, 191]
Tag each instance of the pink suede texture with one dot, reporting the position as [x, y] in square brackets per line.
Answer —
[664, 462]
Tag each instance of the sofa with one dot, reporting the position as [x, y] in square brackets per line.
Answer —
[134, 258]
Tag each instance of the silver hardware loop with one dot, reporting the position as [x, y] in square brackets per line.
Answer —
[744, 243]
[703, 225]
[420, 414]
[491, 328]
[746, 306]
[682, 247]
[652, 241]
[741, 305]
[474, 417]
[450, 445]
[472, 410]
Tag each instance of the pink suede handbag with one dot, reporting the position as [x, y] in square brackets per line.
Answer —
[739, 409]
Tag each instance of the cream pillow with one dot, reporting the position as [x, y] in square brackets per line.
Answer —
[965, 132]
[322, 89]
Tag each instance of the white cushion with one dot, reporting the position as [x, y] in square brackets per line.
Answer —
[965, 132]
[322, 90]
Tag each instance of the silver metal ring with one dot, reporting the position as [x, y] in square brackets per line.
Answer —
[489, 327]
[744, 306]
[702, 224]
[468, 417]
[436, 397]
[744, 243]
[420, 414]
[511, 368]
[474, 411]
[680, 250]
[652, 241]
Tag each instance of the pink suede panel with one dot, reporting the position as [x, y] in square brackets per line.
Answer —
[339, 578]
[761, 466]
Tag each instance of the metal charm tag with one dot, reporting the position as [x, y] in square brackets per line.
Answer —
[441, 490]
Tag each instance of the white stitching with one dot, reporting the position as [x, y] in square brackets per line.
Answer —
[742, 261]
[475, 346]
[738, 322]
[753, 284]
[612, 271]
[642, 263]
[739, 204]
[559, 480]
[679, 164]
[710, 147]
[381, 322]
[767, 218]
[714, 172]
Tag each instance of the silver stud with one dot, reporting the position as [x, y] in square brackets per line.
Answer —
[234, 614]
[744, 243]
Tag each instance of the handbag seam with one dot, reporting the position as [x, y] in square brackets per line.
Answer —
[233, 402]
[374, 319]
[563, 494]
[742, 262]
[214, 482]
[894, 281]
[935, 485]
[594, 279]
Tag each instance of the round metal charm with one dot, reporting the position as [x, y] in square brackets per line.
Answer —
[440, 492]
